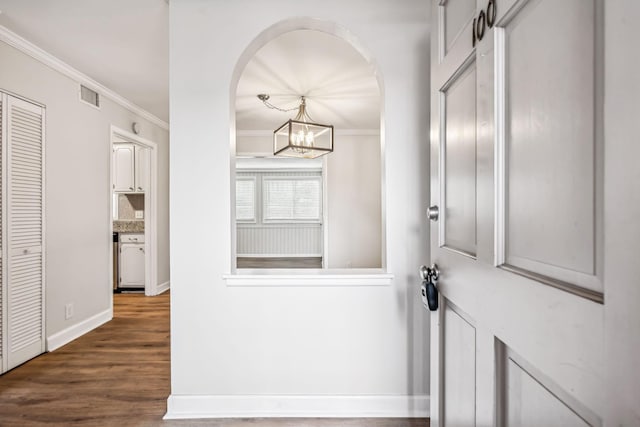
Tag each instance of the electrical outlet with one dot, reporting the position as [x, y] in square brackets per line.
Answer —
[68, 311]
[139, 214]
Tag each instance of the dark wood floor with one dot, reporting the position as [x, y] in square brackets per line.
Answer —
[118, 375]
[279, 262]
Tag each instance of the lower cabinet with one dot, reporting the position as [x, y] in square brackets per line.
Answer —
[132, 261]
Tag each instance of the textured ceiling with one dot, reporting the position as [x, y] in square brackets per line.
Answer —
[338, 83]
[122, 44]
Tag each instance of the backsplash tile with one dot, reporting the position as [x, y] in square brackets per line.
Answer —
[128, 204]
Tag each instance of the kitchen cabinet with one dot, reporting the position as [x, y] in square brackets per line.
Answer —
[132, 261]
[130, 168]
[142, 166]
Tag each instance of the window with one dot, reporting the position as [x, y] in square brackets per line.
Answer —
[246, 199]
[279, 216]
[288, 199]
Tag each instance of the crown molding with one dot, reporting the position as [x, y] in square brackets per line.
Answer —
[25, 46]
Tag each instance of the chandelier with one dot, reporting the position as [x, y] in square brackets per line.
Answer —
[300, 136]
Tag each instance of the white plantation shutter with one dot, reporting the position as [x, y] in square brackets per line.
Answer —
[25, 231]
[245, 199]
[292, 199]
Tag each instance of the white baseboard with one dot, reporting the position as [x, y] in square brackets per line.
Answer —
[65, 336]
[203, 406]
[163, 287]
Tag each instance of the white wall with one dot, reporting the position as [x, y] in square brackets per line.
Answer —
[355, 211]
[354, 196]
[252, 350]
[77, 212]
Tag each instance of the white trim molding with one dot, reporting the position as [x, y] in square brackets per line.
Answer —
[206, 406]
[25, 46]
[65, 336]
[151, 207]
[162, 288]
[257, 279]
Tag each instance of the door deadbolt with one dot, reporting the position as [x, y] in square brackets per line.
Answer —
[433, 213]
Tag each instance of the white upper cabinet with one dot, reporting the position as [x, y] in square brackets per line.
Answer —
[123, 167]
[141, 168]
[130, 168]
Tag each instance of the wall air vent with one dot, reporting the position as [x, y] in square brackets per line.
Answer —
[90, 96]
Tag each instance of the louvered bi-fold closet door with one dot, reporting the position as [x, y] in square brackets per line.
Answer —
[3, 287]
[24, 223]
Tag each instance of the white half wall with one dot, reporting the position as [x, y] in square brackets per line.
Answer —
[294, 340]
[78, 243]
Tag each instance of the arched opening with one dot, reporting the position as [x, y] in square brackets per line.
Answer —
[321, 214]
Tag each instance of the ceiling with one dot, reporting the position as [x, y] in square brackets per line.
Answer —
[124, 45]
[338, 83]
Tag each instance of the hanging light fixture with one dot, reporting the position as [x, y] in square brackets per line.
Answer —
[300, 137]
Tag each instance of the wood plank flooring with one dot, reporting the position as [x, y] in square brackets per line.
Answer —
[279, 262]
[118, 375]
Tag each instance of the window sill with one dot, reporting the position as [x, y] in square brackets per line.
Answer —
[288, 278]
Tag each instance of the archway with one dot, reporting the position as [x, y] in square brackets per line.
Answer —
[342, 86]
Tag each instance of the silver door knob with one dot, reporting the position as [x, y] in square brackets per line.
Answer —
[424, 272]
[429, 273]
[433, 213]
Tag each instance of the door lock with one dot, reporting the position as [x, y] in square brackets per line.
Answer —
[428, 288]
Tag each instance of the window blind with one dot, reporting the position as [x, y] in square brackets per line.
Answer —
[245, 199]
[292, 199]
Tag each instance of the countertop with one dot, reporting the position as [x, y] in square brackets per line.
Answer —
[128, 226]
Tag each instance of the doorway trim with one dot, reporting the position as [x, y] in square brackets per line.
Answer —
[151, 287]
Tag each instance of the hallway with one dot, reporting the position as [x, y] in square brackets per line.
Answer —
[118, 375]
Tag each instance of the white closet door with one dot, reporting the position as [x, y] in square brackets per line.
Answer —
[3, 287]
[25, 122]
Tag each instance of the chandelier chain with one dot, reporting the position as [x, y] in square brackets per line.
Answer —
[265, 100]
[273, 107]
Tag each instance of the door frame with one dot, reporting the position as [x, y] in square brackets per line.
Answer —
[151, 210]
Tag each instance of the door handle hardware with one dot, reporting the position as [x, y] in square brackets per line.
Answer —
[428, 288]
[433, 213]
[434, 272]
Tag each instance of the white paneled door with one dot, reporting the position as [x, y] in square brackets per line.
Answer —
[22, 231]
[517, 175]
